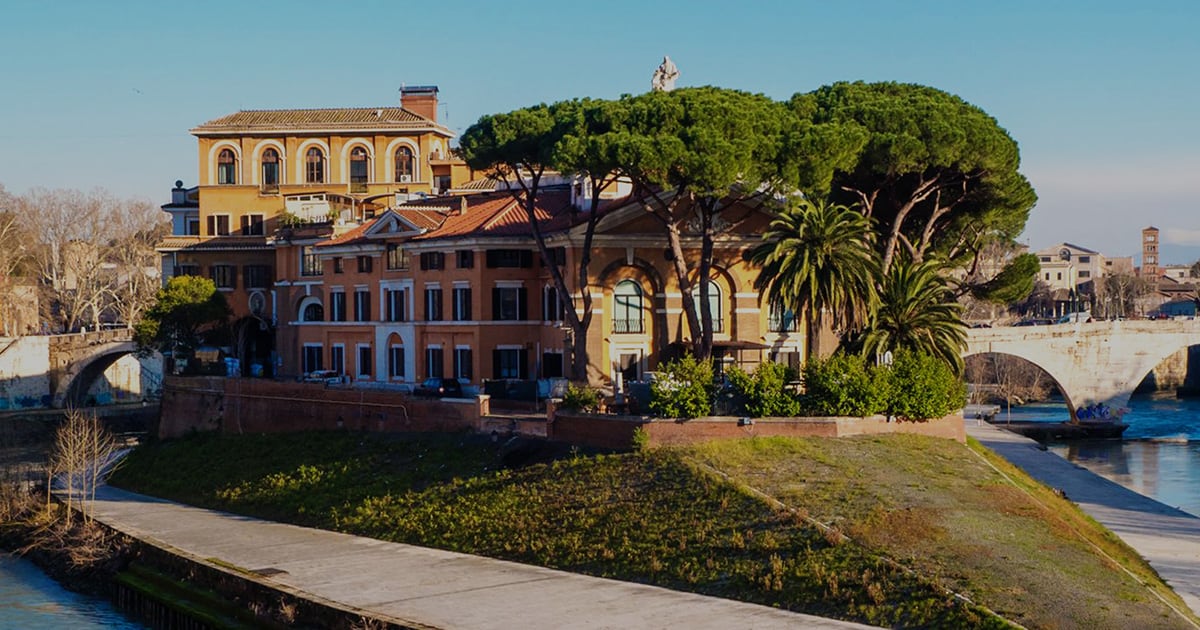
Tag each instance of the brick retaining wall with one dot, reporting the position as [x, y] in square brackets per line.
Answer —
[261, 406]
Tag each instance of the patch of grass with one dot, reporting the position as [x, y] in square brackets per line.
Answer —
[875, 529]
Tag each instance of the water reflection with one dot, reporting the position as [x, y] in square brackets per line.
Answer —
[1159, 458]
[30, 599]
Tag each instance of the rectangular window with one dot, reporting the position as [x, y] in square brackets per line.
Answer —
[462, 304]
[1059, 276]
[462, 363]
[256, 276]
[509, 258]
[310, 262]
[186, 270]
[193, 226]
[396, 362]
[433, 305]
[218, 225]
[781, 320]
[433, 260]
[312, 359]
[1085, 259]
[552, 364]
[789, 359]
[552, 307]
[397, 257]
[364, 361]
[339, 266]
[434, 363]
[364, 264]
[558, 255]
[337, 306]
[508, 304]
[1085, 274]
[509, 363]
[1045, 259]
[337, 358]
[397, 305]
[466, 258]
[362, 305]
[224, 276]
[252, 225]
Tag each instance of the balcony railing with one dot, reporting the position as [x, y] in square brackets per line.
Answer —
[626, 326]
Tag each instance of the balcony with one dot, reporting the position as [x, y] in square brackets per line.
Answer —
[627, 326]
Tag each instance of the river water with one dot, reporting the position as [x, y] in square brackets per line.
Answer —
[1159, 457]
[29, 599]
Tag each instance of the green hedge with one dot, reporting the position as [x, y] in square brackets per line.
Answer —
[915, 387]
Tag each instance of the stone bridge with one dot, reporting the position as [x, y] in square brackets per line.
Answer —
[77, 360]
[1095, 362]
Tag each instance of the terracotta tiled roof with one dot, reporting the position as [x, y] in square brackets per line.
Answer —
[220, 243]
[499, 214]
[481, 184]
[348, 236]
[424, 218]
[352, 118]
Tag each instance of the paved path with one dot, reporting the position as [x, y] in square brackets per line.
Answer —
[1169, 539]
[426, 587]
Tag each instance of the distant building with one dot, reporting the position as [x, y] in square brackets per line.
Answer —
[1150, 258]
[1066, 266]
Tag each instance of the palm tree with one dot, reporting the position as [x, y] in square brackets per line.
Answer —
[815, 258]
[917, 312]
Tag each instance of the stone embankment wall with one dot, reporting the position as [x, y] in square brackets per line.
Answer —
[604, 431]
[234, 405]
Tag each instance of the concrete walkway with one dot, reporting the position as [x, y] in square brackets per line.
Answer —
[1169, 539]
[425, 588]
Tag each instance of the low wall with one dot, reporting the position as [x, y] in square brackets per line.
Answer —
[616, 432]
[192, 404]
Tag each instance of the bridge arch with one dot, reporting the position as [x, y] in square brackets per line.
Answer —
[71, 385]
[1094, 362]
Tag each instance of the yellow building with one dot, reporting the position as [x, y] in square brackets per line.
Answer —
[261, 170]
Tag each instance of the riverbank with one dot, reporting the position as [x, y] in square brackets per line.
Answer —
[885, 530]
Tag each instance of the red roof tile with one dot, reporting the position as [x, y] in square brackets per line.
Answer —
[352, 118]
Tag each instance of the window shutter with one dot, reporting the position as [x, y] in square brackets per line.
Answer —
[523, 368]
[467, 372]
[467, 306]
[212, 225]
[245, 225]
[495, 303]
[522, 304]
[491, 257]
[526, 260]
[424, 261]
[495, 364]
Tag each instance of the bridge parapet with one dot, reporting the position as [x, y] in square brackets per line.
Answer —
[1094, 362]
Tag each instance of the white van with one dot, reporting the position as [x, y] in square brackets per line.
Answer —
[1071, 318]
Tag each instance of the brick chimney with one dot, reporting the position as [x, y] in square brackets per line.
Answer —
[421, 100]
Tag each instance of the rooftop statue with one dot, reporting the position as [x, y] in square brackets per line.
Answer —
[664, 77]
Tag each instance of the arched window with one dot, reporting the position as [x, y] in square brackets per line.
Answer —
[314, 166]
[270, 169]
[714, 305]
[627, 307]
[359, 167]
[404, 165]
[313, 312]
[226, 167]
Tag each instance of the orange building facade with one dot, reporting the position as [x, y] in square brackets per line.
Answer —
[270, 170]
[457, 288]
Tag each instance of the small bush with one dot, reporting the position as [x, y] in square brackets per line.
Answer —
[581, 398]
[682, 389]
[764, 391]
[842, 385]
[923, 387]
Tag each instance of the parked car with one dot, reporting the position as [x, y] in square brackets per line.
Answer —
[439, 388]
[329, 377]
[1071, 318]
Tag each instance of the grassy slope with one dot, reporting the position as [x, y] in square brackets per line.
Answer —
[911, 517]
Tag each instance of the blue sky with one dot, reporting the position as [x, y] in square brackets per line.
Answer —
[1102, 96]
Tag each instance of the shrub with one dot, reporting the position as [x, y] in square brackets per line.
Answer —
[764, 391]
[843, 385]
[682, 389]
[923, 387]
[581, 398]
